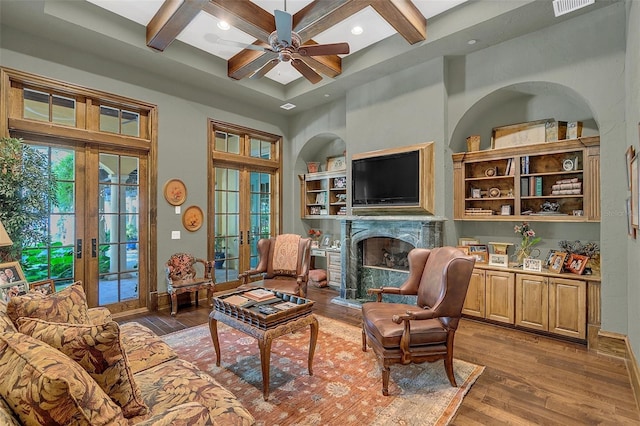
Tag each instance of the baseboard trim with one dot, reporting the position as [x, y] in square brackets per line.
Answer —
[618, 345]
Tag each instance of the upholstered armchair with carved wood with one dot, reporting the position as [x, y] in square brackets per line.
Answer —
[283, 265]
[402, 333]
[182, 277]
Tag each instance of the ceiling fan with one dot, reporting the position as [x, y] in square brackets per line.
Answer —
[287, 46]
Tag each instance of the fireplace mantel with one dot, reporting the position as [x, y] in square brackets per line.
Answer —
[420, 231]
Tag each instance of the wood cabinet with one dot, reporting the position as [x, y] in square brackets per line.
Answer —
[323, 194]
[556, 305]
[560, 304]
[514, 183]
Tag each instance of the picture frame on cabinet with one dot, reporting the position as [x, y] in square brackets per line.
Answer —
[480, 256]
[11, 272]
[547, 260]
[336, 163]
[475, 248]
[44, 287]
[501, 260]
[577, 263]
[466, 241]
[557, 261]
[17, 288]
[321, 198]
[326, 241]
[530, 264]
[464, 249]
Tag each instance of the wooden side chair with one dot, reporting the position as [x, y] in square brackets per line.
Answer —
[402, 333]
[284, 264]
[182, 277]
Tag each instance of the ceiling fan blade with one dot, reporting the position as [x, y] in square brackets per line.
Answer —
[324, 49]
[306, 71]
[213, 38]
[265, 68]
[284, 26]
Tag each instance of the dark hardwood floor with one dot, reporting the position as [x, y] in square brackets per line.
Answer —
[528, 380]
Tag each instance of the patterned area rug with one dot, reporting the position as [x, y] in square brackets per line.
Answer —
[346, 386]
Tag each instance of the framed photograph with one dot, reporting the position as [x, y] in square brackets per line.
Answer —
[628, 157]
[336, 163]
[557, 261]
[505, 210]
[321, 198]
[192, 218]
[466, 241]
[11, 272]
[534, 265]
[480, 256]
[501, 260]
[175, 192]
[475, 248]
[577, 263]
[8, 290]
[464, 249]
[45, 287]
[547, 260]
[326, 241]
[634, 192]
[476, 193]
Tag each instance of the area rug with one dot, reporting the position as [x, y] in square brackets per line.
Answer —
[346, 386]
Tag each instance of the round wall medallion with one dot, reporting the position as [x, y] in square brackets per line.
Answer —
[567, 165]
[494, 192]
[175, 192]
[490, 172]
[192, 218]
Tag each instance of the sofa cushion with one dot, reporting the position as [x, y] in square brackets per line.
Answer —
[66, 306]
[7, 418]
[97, 349]
[178, 381]
[187, 414]
[143, 347]
[5, 322]
[43, 386]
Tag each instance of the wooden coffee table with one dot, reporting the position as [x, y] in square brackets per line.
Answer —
[256, 321]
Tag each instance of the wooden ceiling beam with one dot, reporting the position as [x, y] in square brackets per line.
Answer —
[404, 16]
[243, 15]
[329, 65]
[321, 15]
[169, 21]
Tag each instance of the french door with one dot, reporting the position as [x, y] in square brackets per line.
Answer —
[243, 213]
[96, 227]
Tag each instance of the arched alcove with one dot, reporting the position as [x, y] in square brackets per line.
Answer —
[519, 103]
[318, 148]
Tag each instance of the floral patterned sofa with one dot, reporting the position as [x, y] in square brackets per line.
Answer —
[62, 363]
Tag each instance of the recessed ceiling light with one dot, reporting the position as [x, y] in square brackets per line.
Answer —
[472, 41]
[326, 95]
[287, 106]
[224, 25]
[357, 30]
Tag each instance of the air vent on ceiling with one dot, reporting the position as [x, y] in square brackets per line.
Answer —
[561, 7]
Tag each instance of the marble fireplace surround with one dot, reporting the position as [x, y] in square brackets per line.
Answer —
[417, 231]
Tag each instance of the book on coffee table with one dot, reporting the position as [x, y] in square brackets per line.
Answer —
[236, 299]
[285, 305]
[259, 294]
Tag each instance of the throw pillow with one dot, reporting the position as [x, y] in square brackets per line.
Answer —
[66, 306]
[98, 350]
[5, 322]
[44, 387]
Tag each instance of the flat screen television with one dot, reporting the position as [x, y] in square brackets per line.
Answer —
[396, 179]
[389, 179]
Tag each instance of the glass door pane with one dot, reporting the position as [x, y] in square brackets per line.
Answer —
[118, 224]
[227, 224]
[259, 212]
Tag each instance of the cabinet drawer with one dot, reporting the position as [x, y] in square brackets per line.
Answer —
[318, 253]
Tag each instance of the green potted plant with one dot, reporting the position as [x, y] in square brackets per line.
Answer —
[27, 192]
[219, 254]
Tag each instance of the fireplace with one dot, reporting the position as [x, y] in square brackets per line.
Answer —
[375, 248]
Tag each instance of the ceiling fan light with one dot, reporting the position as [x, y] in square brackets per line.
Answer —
[357, 30]
[224, 25]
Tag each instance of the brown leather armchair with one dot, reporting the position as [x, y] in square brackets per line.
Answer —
[284, 264]
[401, 333]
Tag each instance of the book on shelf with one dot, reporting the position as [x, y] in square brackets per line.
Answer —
[566, 192]
[524, 186]
[576, 185]
[538, 186]
[259, 294]
[507, 170]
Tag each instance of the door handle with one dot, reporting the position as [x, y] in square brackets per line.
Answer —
[94, 248]
[79, 248]
[241, 241]
[248, 237]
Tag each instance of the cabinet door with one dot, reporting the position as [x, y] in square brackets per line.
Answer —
[532, 302]
[500, 296]
[474, 302]
[334, 269]
[568, 307]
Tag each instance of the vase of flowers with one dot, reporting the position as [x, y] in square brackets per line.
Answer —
[315, 237]
[529, 239]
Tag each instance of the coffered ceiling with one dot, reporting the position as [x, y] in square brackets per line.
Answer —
[195, 58]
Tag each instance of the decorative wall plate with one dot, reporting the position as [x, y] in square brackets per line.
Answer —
[494, 192]
[192, 218]
[175, 192]
[568, 165]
